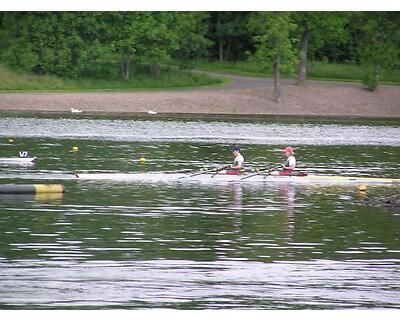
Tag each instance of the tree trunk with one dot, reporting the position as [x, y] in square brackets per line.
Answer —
[305, 38]
[277, 79]
[74, 56]
[155, 69]
[221, 49]
[228, 50]
[377, 72]
[220, 38]
[125, 67]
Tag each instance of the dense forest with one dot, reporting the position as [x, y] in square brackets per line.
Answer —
[90, 44]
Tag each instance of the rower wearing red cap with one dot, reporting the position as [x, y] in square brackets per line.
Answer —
[288, 166]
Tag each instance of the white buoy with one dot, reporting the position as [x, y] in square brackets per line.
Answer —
[73, 110]
[151, 112]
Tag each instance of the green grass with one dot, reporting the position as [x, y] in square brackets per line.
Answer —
[170, 78]
[238, 67]
[316, 70]
[324, 70]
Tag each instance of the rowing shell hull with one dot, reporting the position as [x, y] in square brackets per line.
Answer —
[207, 178]
[17, 160]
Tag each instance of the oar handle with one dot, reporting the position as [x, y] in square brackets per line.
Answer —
[219, 170]
[269, 171]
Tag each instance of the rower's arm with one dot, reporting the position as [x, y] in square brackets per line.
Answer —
[291, 166]
[238, 166]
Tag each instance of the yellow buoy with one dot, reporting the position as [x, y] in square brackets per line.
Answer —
[10, 140]
[49, 188]
[75, 149]
[142, 159]
[362, 187]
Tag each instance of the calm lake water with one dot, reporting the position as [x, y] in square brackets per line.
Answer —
[191, 246]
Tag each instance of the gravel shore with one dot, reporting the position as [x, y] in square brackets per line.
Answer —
[243, 96]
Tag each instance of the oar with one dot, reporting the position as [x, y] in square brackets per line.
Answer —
[179, 171]
[261, 172]
[219, 170]
[197, 174]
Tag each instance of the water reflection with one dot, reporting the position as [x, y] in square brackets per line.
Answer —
[236, 192]
[288, 192]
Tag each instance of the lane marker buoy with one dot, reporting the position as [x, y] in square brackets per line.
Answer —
[362, 187]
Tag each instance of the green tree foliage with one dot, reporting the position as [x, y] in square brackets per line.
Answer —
[274, 44]
[15, 47]
[379, 43]
[229, 32]
[319, 28]
[70, 44]
[159, 39]
[193, 43]
[114, 44]
[61, 43]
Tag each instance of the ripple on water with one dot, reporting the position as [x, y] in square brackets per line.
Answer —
[201, 131]
[183, 283]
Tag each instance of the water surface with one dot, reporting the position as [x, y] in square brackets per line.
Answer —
[196, 246]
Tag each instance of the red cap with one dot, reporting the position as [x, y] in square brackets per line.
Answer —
[288, 149]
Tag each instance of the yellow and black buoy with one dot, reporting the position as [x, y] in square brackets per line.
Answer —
[75, 149]
[10, 140]
[31, 188]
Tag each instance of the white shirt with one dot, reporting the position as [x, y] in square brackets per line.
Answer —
[292, 161]
[238, 161]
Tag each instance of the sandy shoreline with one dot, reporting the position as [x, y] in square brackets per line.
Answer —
[243, 96]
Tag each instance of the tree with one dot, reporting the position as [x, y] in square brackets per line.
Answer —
[192, 29]
[230, 35]
[320, 27]
[159, 39]
[15, 48]
[124, 33]
[379, 43]
[274, 44]
[62, 43]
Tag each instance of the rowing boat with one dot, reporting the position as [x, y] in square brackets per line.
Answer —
[15, 160]
[209, 178]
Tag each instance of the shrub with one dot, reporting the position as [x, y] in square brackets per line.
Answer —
[370, 79]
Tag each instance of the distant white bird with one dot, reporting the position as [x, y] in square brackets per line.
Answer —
[75, 110]
[151, 112]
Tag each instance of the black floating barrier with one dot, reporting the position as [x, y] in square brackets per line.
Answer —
[31, 188]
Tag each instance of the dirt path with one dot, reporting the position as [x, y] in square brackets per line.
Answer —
[244, 95]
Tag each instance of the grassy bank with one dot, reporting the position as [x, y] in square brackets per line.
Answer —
[141, 79]
[316, 70]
